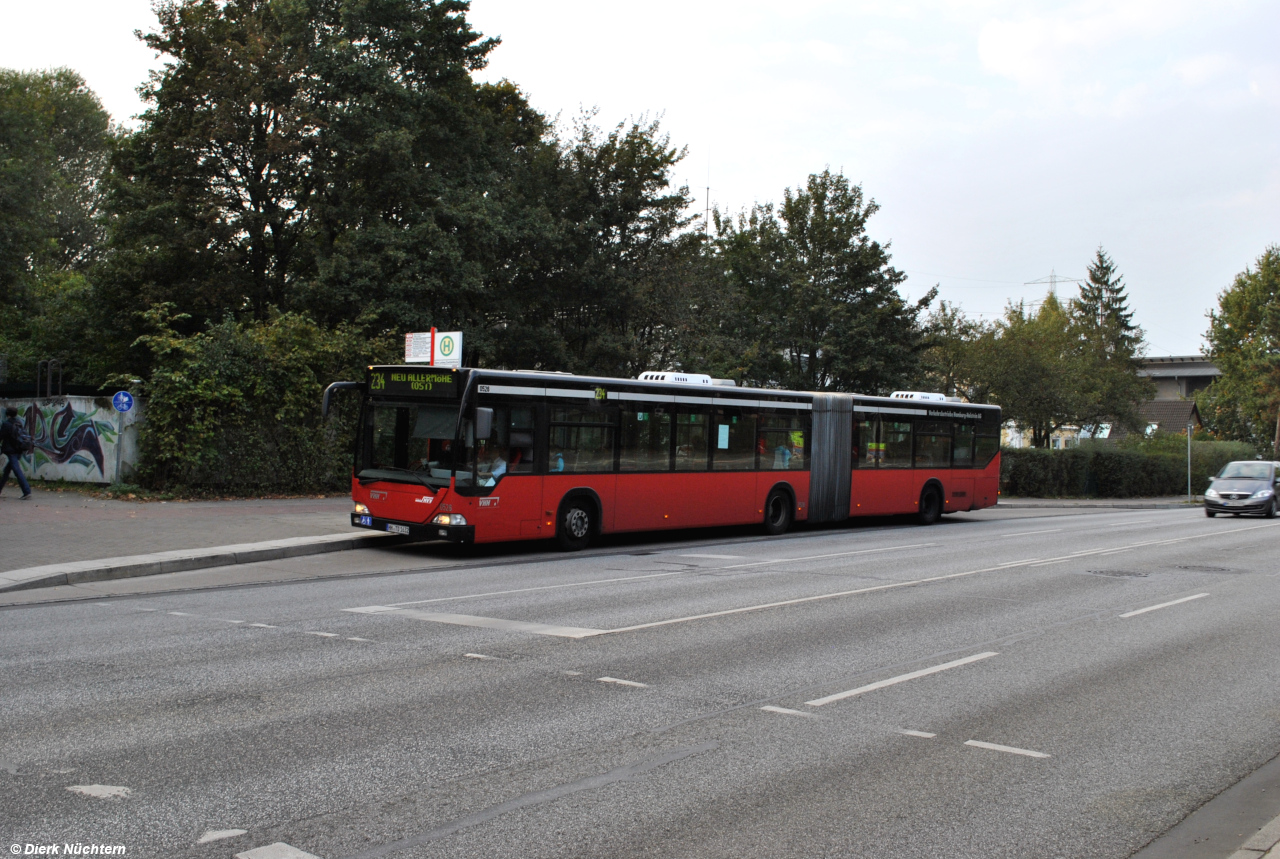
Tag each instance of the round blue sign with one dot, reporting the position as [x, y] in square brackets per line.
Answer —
[123, 401]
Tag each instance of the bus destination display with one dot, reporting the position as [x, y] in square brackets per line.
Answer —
[396, 380]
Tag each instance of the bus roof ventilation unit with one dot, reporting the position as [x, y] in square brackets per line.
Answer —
[684, 379]
[918, 395]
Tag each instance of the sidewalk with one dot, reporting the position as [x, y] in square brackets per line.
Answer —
[1173, 501]
[65, 537]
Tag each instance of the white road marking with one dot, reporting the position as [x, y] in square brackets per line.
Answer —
[323, 634]
[279, 850]
[1015, 563]
[1010, 749]
[772, 709]
[901, 678]
[478, 656]
[263, 625]
[540, 588]
[483, 622]
[1029, 533]
[1162, 605]
[572, 673]
[181, 614]
[353, 638]
[224, 620]
[925, 734]
[622, 682]
[101, 791]
[832, 555]
[219, 834]
[715, 557]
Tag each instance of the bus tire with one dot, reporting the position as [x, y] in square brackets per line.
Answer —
[574, 525]
[930, 506]
[779, 513]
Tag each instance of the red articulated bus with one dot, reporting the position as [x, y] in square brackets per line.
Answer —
[475, 455]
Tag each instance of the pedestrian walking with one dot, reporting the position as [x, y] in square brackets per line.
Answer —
[14, 442]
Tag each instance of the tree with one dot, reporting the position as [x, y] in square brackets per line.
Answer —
[1244, 343]
[820, 302]
[55, 139]
[1111, 347]
[331, 157]
[1032, 365]
[952, 358]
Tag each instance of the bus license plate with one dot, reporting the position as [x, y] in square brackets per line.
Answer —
[398, 529]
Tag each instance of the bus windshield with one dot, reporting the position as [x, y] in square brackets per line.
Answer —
[408, 443]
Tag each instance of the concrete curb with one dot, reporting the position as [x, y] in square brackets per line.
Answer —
[182, 560]
[1263, 842]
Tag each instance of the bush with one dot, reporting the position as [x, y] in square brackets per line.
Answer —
[236, 409]
[1133, 470]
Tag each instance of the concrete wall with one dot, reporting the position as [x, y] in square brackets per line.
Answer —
[79, 439]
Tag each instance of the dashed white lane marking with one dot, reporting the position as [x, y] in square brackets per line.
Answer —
[541, 588]
[995, 747]
[925, 734]
[279, 850]
[181, 613]
[832, 555]
[901, 678]
[1029, 533]
[572, 673]
[478, 656]
[623, 682]
[784, 711]
[323, 634]
[219, 834]
[263, 625]
[1162, 605]
[483, 622]
[101, 791]
[715, 557]
[353, 638]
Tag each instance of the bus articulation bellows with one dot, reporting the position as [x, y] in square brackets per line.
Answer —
[474, 455]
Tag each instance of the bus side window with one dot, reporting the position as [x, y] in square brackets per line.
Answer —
[869, 444]
[581, 438]
[962, 453]
[782, 441]
[895, 442]
[933, 444]
[985, 449]
[691, 440]
[645, 438]
[735, 440]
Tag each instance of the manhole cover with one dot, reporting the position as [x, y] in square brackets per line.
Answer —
[1132, 573]
[1191, 568]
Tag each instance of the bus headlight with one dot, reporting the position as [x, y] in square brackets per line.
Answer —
[360, 508]
[449, 519]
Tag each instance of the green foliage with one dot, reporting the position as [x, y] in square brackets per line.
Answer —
[234, 408]
[55, 139]
[820, 307]
[1138, 468]
[1244, 343]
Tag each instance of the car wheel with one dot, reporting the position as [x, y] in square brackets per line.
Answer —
[573, 531]
[930, 506]
[1209, 513]
[778, 513]
[1271, 509]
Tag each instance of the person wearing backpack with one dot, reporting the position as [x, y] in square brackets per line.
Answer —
[14, 442]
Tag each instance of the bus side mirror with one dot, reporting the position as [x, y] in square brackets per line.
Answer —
[484, 423]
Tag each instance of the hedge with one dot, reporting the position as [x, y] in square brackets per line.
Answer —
[1104, 471]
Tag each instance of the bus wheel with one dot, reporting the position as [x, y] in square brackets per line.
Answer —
[778, 513]
[574, 532]
[930, 506]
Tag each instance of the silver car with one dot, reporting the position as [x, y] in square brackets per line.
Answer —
[1243, 487]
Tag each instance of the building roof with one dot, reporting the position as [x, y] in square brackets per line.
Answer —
[1178, 366]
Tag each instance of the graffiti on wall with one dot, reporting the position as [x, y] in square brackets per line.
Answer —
[70, 437]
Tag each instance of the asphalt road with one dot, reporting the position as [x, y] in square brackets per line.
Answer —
[818, 694]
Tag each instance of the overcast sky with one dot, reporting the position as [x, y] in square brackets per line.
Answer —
[1002, 140]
